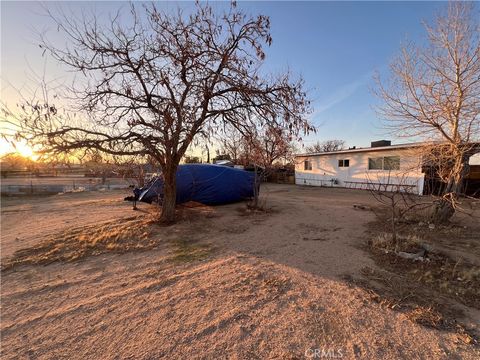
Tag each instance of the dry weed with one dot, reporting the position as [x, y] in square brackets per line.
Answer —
[406, 243]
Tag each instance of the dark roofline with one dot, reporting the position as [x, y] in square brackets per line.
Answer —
[368, 149]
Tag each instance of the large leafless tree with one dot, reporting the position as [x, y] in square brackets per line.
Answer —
[433, 93]
[155, 81]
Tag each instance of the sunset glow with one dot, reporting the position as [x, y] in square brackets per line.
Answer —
[18, 147]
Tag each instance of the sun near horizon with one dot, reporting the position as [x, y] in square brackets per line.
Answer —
[21, 148]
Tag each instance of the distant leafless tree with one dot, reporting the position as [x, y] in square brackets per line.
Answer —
[206, 150]
[15, 161]
[265, 148]
[270, 145]
[190, 159]
[326, 146]
[434, 93]
[261, 146]
[154, 85]
[232, 143]
[133, 168]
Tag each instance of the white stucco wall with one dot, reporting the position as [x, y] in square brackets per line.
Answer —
[325, 168]
[474, 159]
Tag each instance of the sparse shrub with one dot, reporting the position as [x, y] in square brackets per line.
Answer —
[403, 205]
[385, 241]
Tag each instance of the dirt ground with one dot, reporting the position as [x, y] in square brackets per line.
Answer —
[221, 283]
[28, 220]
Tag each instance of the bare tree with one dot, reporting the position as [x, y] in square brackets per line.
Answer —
[257, 147]
[15, 162]
[326, 146]
[399, 197]
[133, 168]
[232, 143]
[261, 146]
[97, 165]
[206, 150]
[153, 86]
[434, 93]
[271, 145]
[191, 159]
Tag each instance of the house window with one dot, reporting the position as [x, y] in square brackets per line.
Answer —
[384, 163]
[375, 163]
[307, 165]
[344, 163]
[391, 163]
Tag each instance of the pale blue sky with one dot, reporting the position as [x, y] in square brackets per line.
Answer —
[335, 46]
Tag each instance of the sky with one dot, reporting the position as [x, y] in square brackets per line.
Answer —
[335, 46]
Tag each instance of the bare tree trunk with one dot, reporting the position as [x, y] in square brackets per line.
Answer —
[444, 210]
[255, 189]
[394, 228]
[445, 207]
[141, 176]
[169, 194]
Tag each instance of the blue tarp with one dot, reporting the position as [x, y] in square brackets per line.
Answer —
[203, 183]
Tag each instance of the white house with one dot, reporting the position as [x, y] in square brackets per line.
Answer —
[390, 166]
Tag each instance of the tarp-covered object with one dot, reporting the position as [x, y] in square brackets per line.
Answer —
[203, 183]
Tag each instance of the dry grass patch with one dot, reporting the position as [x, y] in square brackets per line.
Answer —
[119, 236]
[140, 232]
[406, 243]
[185, 251]
[419, 303]
[192, 211]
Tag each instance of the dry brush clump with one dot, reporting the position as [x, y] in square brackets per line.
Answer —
[399, 206]
[252, 210]
[407, 243]
[421, 304]
[455, 278]
[421, 276]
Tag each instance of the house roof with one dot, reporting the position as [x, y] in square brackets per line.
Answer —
[367, 149]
